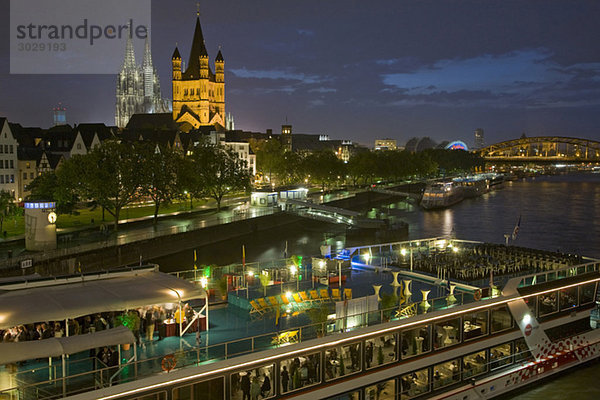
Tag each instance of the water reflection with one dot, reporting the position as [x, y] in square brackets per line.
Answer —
[558, 212]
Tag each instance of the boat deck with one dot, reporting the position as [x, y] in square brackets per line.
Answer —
[436, 265]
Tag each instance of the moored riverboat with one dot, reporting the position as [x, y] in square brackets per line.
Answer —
[472, 186]
[441, 195]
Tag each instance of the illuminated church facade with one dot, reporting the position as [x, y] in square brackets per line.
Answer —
[138, 87]
[198, 93]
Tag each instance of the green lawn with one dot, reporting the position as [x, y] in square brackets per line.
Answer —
[15, 226]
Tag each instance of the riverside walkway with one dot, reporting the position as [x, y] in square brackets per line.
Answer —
[85, 239]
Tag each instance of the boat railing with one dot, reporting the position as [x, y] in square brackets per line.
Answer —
[560, 273]
[49, 383]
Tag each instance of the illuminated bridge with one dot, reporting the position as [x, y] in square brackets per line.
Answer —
[543, 149]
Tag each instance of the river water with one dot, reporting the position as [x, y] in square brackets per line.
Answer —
[559, 212]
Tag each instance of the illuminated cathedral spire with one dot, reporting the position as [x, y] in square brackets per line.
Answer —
[138, 87]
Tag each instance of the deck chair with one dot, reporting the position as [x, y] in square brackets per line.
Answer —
[273, 301]
[348, 294]
[314, 295]
[256, 308]
[288, 303]
[263, 304]
[305, 297]
[297, 298]
[335, 294]
[325, 294]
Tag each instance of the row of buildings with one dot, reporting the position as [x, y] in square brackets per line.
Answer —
[26, 153]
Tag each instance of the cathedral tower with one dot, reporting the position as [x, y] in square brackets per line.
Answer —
[138, 88]
[198, 93]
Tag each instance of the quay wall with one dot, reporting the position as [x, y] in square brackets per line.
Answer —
[129, 254]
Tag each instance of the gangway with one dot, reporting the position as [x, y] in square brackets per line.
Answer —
[331, 214]
[412, 196]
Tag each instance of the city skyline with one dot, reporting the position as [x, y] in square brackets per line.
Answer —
[357, 72]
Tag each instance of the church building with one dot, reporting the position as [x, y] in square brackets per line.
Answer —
[138, 88]
[198, 93]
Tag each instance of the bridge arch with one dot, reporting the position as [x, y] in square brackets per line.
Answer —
[559, 148]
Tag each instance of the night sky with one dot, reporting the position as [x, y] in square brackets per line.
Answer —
[364, 70]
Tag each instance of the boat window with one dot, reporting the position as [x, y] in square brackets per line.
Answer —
[153, 396]
[501, 319]
[522, 352]
[213, 389]
[475, 325]
[586, 293]
[548, 303]
[474, 364]
[299, 372]
[445, 374]
[342, 360]
[531, 303]
[446, 333]
[415, 384]
[416, 341]
[568, 298]
[355, 395]
[255, 380]
[379, 351]
[381, 391]
[500, 355]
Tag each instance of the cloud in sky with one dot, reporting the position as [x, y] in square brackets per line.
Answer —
[277, 74]
[323, 90]
[524, 77]
[305, 32]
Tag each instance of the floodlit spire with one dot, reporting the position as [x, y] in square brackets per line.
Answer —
[147, 54]
[129, 51]
[198, 50]
[148, 70]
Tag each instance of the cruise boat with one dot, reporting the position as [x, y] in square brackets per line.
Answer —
[475, 342]
[441, 195]
[495, 180]
[472, 186]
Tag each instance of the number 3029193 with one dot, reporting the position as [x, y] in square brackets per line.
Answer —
[42, 46]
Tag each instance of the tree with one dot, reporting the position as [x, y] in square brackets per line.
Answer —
[323, 167]
[59, 186]
[220, 171]
[7, 206]
[110, 175]
[159, 174]
[362, 166]
[269, 157]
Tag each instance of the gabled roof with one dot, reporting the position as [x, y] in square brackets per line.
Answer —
[26, 136]
[88, 131]
[162, 121]
[54, 159]
[198, 50]
[26, 153]
[244, 136]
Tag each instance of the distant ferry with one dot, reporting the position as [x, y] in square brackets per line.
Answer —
[441, 195]
[495, 180]
[472, 186]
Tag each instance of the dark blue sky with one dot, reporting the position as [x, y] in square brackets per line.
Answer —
[365, 70]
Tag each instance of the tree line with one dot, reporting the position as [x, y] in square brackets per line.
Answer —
[117, 174]
[366, 167]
